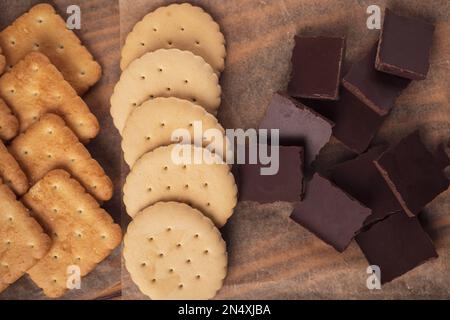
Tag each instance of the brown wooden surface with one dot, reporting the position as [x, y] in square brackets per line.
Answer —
[100, 33]
[270, 256]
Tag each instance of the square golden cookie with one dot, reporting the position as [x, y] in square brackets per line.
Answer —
[11, 173]
[42, 29]
[83, 234]
[9, 125]
[22, 241]
[49, 144]
[34, 87]
[2, 61]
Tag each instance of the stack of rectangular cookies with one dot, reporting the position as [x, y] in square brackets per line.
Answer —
[53, 227]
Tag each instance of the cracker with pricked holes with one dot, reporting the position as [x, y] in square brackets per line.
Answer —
[42, 29]
[173, 251]
[9, 125]
[165, 73]
[2, 61]
[11, 173]
[152, 124]
[196, 177]
[35, 87]
[49, 144]
[180, 26]
[22, 241]
[83, 234]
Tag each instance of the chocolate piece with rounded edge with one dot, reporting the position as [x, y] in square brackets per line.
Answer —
[378, 90]
[396, 245]
[298, 125]
[404, 47]
[361, 179]
[286, 185]
[316, 67]
[355, 123]
[330, 213]
[414, 175]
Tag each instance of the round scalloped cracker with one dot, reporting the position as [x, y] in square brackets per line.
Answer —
[165, 73]
[180, 26]
[196, 177]
[152, 124]
[173, 252]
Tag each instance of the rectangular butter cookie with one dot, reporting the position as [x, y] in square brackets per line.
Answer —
[9, 125]
[42, 29]
[22, 241]
[34, 87]
[83, 234]
[11, 173]
[49, 144]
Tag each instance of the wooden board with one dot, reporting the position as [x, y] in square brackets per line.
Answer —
[270, 257]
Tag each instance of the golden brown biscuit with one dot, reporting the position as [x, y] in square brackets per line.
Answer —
[11, 173]
[49, 144]
[22, 241]
[35, 87]
[83, 234]
[42, 29]
[9, 125]
[2, 61]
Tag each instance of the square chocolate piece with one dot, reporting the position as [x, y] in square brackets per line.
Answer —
[404, 47]
[316, 67]
[330, 213]
[414, 175]
[361, 179]
[376, 89]
[298, 125]
[286, 185]
[355, 123]
[396, 245]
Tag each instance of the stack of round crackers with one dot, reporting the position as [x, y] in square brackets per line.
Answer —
[171, 63]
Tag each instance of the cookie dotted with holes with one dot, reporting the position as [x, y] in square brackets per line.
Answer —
[9, 125]
[83, 234]
[49, 144]
[183, 173]
[180, 26]
[35, 87]
[2, 61]
[152, 124]
[22, 241]
[165, 73]
[42, 29]
[11, 173]
[173, 252]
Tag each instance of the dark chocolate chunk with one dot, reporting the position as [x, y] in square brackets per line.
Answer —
[376, 89]
[396, 245]
[413, 174]
[286, 185]
[404, 47]
[330, 213]
[298, 125]
[316, 67]
[355, 123]
[361, 179]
